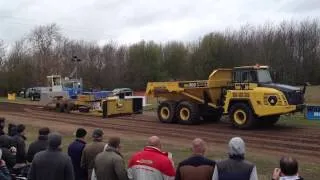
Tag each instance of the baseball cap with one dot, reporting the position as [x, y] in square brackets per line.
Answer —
[97, 133]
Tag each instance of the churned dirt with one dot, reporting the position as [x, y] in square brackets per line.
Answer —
[298, 141]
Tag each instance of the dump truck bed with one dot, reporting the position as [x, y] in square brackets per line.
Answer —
[181, 90]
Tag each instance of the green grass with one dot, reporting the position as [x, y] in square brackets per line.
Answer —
[265, 163]
[298, 119]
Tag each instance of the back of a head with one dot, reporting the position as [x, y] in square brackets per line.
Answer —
[97, 134]
[114, 142]
[12, 129]
[44, 131]
[198, 146]
[236, 147]
[288, 166]
[54, 140]
[80, 133]
[154, 141]
[20, 128]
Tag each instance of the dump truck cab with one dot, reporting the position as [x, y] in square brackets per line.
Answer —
[247, 94]
[253, 98]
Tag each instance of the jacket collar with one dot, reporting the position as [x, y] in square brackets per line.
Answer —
[23, 137]
[42, 137]
[154, 149]
[81, 141]
[290, 178]
[112, 149]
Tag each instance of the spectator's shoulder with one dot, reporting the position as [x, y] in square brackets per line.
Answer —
[39, 155]
[32, 144]
[249, 163]
[65, 156]
[197, 161]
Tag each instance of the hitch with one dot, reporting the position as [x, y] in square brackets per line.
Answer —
[305, 87]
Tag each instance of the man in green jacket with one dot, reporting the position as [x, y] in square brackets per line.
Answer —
[109, 164]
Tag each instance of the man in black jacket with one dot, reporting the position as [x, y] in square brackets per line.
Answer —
[6, 145]
[39, 145]
[20, 145]
[75, 152]
[197, 166]
[5, 138]
[51, 164]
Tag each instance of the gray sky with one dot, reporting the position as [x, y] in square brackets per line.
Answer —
[128, 21]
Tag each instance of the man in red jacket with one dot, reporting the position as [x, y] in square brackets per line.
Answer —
[151, 163]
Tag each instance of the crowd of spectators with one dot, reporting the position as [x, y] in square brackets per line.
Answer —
[97, 160]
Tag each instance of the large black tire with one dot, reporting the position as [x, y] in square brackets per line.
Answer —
[84, 109]
[166, 112]
[268, 121]
[68, 107]
[59, 107]
[242, 116]
[188, 113]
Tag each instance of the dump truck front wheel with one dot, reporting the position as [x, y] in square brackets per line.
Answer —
[166, 112]
[188, 113]
[241, 116]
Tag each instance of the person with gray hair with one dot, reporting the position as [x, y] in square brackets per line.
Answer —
[51, 164]
[235, 167]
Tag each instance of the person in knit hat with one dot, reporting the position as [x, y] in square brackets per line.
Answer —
[38, 145]
[235, 167]
[75, 150]
[51, 164]
[91, 150]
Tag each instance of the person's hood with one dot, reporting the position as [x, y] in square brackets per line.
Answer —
[43, 137]
[112, 149]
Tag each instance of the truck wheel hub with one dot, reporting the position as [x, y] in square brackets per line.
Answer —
[240, 117]
[165, 113]
[184, 114]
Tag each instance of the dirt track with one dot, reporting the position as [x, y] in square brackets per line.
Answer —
[302, 141]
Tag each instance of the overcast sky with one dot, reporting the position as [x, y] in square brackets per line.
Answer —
[128, 21]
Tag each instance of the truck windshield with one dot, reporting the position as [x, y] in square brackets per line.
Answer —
[264, 76]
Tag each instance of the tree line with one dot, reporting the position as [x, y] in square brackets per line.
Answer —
[291, 48]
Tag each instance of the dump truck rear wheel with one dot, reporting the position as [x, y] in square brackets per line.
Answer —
[166, 112]
[241, 116]
[59, 107]
[188, 113]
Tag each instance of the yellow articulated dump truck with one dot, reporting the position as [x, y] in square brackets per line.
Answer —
[247, 94]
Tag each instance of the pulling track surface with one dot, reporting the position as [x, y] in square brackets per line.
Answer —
[302, 141]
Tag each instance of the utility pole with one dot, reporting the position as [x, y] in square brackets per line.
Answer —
[76, 60]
